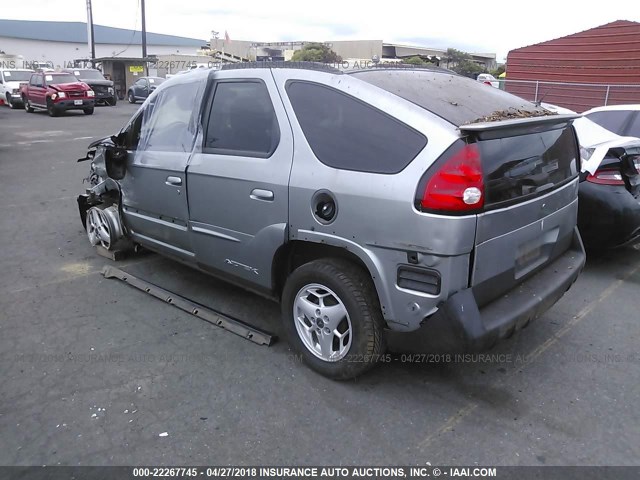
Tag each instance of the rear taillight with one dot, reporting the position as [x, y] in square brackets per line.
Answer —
[486, 82]
[606, 176]
[457, 184]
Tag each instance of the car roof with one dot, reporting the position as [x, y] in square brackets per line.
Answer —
[613, 108]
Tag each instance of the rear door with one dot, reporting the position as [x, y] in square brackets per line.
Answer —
[154, 192]
[238, 184]
[531, 181]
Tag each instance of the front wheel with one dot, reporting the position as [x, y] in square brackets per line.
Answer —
[332, 317]
[132, 98]
[88, 111]
[112, 101]
[10, 102]
[51, 109]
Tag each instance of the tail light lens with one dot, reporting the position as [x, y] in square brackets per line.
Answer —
[456, 185]
[606, 176]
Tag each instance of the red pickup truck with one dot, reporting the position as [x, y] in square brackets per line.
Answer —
[57, 92]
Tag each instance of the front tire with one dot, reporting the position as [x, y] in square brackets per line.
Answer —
[112, 102]
[51, 109]
[131, 98]
[332, 317]
[88, 111]
[10, 102]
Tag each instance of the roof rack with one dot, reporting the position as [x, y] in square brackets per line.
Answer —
[282, 64]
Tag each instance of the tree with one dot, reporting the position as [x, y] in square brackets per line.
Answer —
[498, 71]
[462, 63]
[316, 52]
[416, 60]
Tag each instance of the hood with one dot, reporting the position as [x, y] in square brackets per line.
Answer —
[69, 87]
[92, 81]
[17, 84]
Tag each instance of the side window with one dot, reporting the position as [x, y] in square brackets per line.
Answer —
[348, 134]
[33, 80]
[242, 121]
[612, 120]
[170, 118]
[132, 132]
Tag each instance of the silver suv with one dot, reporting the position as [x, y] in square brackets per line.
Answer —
[384, 205]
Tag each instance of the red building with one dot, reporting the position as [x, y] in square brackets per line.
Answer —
[601, 65]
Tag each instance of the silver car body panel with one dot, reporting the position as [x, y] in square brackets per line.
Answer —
[229, 214]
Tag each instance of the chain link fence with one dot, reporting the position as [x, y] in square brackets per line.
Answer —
[575, 96]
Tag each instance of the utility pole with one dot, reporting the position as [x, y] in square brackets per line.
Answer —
[90, 37]
[144, 38]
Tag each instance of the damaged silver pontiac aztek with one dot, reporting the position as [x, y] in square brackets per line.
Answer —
[372, 205]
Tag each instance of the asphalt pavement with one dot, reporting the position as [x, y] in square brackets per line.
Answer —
[94, 372]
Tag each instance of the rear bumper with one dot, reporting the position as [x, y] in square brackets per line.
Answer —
[460, 326]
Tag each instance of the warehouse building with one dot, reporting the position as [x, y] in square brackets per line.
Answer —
[600, 65]
[58, 44]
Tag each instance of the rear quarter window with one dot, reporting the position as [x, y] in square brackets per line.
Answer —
[346, 133]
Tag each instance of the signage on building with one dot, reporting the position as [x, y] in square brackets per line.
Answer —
[136, 68]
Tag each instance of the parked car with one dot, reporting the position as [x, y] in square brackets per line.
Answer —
[143, 87]
[56, 93]
[370, 207]
[620, 119]
[103, 88]
[609, 195]
[609, 198]
[488, 79]
[11, 80]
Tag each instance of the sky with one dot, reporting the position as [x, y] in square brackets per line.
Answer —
[489, 26]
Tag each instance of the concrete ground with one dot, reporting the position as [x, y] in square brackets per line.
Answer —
[94, 371]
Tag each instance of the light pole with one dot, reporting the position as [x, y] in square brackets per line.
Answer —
[144, 38]
[92, 43]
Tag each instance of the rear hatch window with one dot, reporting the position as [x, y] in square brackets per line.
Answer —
[524, 166]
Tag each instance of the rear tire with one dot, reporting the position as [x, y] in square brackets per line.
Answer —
[345, 339]
[131, 98]
[88, 111]
[27, 106]
[10, 102]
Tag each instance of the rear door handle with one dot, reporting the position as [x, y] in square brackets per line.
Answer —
[260, 194]
[175, 181]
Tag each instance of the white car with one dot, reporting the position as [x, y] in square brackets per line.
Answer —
[488, 79]
[620, 119]
[10, 80]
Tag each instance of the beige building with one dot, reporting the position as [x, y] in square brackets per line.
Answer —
[347, 49]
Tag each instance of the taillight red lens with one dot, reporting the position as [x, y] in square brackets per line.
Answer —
[606, 177]
[458, 184]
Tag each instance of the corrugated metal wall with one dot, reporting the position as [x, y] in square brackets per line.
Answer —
[609, 54]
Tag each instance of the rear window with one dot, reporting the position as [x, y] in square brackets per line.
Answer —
[634, 128]
[348, 134]
[527, 165]
[459, 100]
[613, 120]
